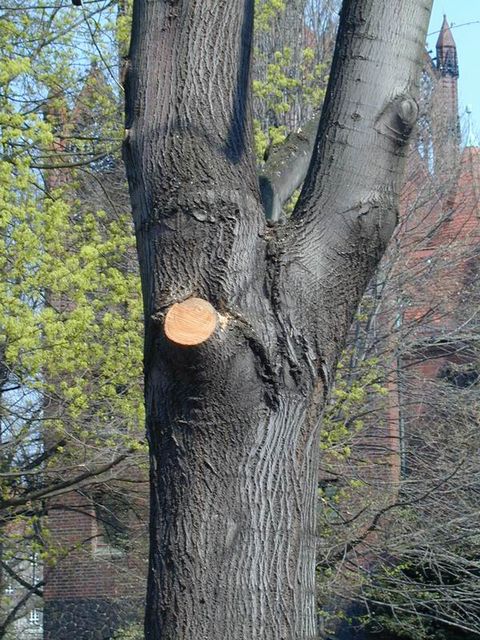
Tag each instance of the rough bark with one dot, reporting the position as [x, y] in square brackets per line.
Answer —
[233, 422]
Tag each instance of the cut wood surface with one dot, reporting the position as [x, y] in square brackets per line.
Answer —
[190, 322]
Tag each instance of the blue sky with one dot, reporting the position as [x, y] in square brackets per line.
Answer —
[467, 38]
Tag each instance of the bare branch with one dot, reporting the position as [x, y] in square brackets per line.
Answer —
[286, 168]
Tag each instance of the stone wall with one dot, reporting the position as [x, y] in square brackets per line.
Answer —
[88, 618]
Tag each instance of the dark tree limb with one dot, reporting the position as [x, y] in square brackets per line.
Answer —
[34, 588]
[16, 611]
[286, 168]
[13, 506]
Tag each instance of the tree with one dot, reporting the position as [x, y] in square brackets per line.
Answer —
[71, 415]
[257, 317]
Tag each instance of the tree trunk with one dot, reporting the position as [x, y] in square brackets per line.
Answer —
[233, 417]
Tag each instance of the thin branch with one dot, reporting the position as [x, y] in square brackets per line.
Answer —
[18, 578]
[59, 488]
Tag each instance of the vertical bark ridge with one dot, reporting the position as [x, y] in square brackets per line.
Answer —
[239, 544]
[271, 556]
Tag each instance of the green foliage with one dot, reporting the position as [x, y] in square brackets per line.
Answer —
[408, 601]
[348, 409]
[289, 78]
[132, 632]
[266, 11]
[70, 306]
[121, 26]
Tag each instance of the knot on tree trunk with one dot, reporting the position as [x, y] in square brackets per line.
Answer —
[398, 119]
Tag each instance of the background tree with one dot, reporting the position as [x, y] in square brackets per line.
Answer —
[397, 483]
[70, 397]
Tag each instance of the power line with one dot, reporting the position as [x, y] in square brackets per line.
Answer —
[455, 26]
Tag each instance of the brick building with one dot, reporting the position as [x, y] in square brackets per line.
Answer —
[440, 233]
[97, 587]
[430, 294]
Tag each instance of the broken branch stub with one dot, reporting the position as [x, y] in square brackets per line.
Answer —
[191, 322]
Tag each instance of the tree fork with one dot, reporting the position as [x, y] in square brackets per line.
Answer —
[233, 410]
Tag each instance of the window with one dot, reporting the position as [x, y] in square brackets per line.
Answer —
[35, 617]
[426, 87]
[34, 567]
[113, 513]
[424, 141]
[461, 376]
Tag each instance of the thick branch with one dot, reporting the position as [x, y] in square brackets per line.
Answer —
[34, 588]
[286, 168]
[188, 149]
[13, 613]
[58, 488]
[348, 206]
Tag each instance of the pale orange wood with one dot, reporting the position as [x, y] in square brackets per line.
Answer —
[190, 322]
